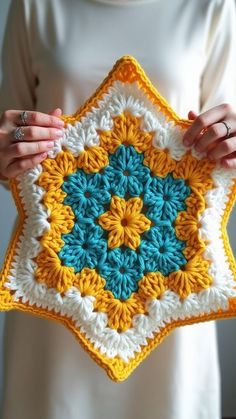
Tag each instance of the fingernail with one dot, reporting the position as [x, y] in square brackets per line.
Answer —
[42, 156]
[60, 123]
[50, 144]
[59, 133]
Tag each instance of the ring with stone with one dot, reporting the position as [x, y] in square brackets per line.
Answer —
[18, 134]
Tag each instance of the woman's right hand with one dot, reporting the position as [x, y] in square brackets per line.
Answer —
[41, 131]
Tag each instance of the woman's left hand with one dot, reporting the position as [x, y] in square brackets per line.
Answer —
[209, 134]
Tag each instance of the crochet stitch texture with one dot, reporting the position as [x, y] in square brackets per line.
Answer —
[122, 230]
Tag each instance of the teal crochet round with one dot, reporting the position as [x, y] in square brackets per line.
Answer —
[89, 196]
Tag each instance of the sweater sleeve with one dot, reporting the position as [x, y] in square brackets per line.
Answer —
[218, 83]
[17, 88]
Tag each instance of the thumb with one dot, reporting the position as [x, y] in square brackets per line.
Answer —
[192, 115]
[56, 112]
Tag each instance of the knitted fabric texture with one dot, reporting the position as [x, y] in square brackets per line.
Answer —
[122, 229]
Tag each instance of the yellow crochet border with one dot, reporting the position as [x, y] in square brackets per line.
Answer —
[127, 70]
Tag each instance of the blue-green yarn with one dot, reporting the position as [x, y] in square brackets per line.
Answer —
[126, 173]
[162, 251]
[165, 197]
[122, 271]
[84, 247]
[86, 193]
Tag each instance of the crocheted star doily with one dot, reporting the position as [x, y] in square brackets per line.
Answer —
[122, 232]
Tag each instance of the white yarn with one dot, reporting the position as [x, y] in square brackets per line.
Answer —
[79, 309]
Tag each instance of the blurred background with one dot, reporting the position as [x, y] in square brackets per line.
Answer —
[226, 328]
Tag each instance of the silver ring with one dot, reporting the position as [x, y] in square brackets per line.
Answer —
[18, 134]
[23, 117]
[228, 127]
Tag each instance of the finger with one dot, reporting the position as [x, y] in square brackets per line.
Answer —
[214, 133]
[192, 115]
[21, 165]
[56, 112]
[223, 149]
[33, 118]
[205, 120]
[38, 133]
[21, 149]
[229, 162]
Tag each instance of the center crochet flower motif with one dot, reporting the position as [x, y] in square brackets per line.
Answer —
[125, 222]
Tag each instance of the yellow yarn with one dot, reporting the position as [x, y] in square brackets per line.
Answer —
[197, 173]
[192, 278]
[53, 197]
[93, 159]
[51, 272]
[89, 282]
[61, 222]
[186, 225]
[194, 246]
[195, 204]
[152, 285]
[119, 312]
[55, 170]
[159, 161]
[125, 222]
[187, 229]
[126, 130]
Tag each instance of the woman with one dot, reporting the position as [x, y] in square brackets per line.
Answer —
[55, 54]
